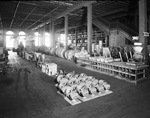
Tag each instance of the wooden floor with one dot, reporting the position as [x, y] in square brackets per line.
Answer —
[35, 96]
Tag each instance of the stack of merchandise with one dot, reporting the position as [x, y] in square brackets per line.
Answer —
[82, 54]
[80, 86]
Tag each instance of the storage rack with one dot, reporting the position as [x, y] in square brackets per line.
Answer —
[79, 36]
[120, 70]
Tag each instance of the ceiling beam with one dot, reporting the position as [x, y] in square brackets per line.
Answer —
[26, 2]
[116, 16]
[43, 17]
[72, 9]
[68, 19]
[10, 12]
[28, 15]
[14, 14]
[82, 4]
[114, 11]
[19, 19]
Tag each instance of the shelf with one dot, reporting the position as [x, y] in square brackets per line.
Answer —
[115, 70]
[124, 72]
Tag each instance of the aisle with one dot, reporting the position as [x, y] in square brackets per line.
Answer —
[26, 97]
[34, 96]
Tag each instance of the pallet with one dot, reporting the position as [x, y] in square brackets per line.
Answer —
[94, 96]
[84, 99]
[72, 102]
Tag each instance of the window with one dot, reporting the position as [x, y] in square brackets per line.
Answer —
[62, 39]
[9, 39]
[47, 39]
[22, 38]
[36, 39]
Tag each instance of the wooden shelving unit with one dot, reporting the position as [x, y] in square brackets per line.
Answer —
[120, 70]
[79, 36]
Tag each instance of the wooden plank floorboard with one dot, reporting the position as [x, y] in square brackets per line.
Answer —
[41, 100]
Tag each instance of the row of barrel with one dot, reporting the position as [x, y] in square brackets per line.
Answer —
[59, 52]
[63, 53]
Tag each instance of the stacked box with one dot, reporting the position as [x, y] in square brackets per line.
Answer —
[44, 68]
[51, 69]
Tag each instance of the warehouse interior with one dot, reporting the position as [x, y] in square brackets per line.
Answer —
[69, 59]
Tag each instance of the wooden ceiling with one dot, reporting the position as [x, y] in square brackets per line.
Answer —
[31, 14]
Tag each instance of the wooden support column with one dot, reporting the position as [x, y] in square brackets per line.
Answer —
[52, 34]
[4, 38]
[1, 39]
[44, 30]
[39, 36]
[149, 24]
[76, 41]
[66, 32]
[143, 27]
[89, 28]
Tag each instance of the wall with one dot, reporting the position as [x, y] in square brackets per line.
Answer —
[113, 38]
[16, 34]
[116, 38]
[1, 38]
[148, 47]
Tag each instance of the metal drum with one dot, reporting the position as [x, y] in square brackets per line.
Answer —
[63, 53]
[47, 51]
[52, 52]
[56, 51]
[66, 54]
[60, 52]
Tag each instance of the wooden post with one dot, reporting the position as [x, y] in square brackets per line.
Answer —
[149, 24]
[52, 34]
[41, 36]
[44, 30]
[38, 37]
[76, 36]
[89, 28]
[50, 29]
[66, 32]
[1, 38]
[143, 27]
